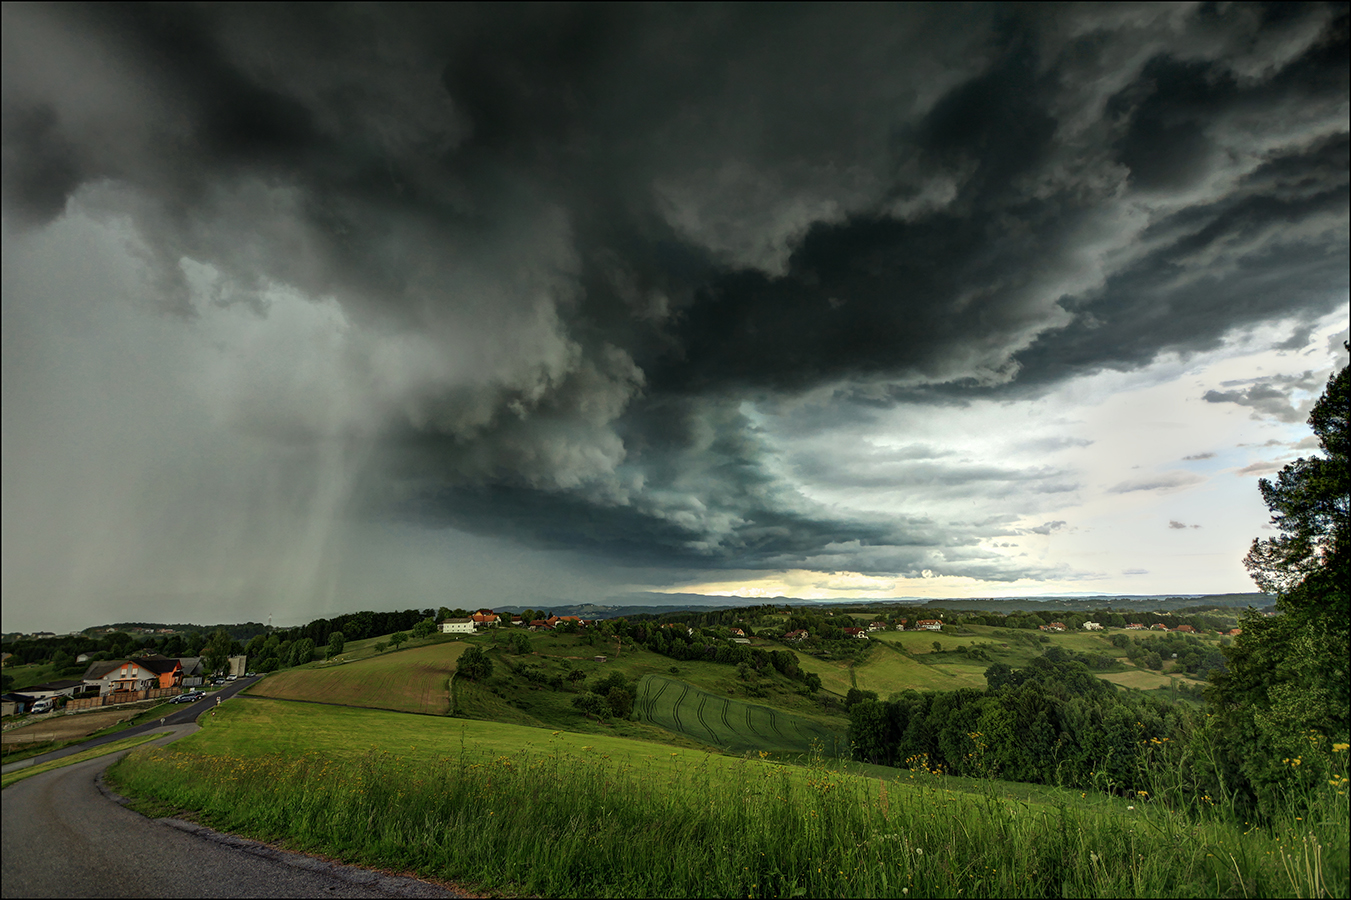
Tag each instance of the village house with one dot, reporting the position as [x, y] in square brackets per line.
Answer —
[877, 626]
[1092, 626]
[485, 618]
[193, 676]
[169, 672]
[458, 626]
[1158, 626]
[14, 704]
[856, 633]
[799, 635]
[49, 689]
[1235, 632]
[929, 625]
[1053, 626]
[1135, 626]
[538, 624]
[1186, 629]
[737, 632]
[900, 626]
[119, 676]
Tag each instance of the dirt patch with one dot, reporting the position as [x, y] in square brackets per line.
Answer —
[68, 727]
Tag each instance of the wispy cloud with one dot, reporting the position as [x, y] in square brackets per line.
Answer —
[1162, 481]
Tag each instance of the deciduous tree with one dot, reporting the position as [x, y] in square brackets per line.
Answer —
[1287, 691]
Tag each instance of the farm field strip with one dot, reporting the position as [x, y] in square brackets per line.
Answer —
[733, 725]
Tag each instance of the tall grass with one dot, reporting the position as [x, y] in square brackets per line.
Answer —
[547, 823]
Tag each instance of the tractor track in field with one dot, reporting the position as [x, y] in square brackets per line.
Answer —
[699, 714]
[675, 708]
[725, 721]
[774, 723]
[750, 726]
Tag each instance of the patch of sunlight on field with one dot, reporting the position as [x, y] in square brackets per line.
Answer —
[888, 671]
[413, 680]
[1144, 680]
[834, 675]
[731, 725]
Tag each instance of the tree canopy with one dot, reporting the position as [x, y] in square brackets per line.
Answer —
[1287, 690]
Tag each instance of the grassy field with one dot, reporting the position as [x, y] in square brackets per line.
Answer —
[31, 674]
[1145, 680]
[114, 747]
[413, 680]
[523, 811]
[732, 725]
[887, 670]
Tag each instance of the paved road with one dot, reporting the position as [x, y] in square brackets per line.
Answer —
[183, 714]
[63, 836]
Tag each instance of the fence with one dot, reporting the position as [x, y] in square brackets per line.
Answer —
[122, 697]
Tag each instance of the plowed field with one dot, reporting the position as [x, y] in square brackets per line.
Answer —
[732, 725]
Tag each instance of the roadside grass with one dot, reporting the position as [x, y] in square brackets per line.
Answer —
[16, 752]
[732, 725]
[550, 817]
[408, 681]
[116, 746]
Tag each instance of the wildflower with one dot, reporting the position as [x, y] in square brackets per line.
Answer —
[1340, 748]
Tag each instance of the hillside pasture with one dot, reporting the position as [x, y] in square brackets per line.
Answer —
[415, 680]
[888, 671]
[731, 725]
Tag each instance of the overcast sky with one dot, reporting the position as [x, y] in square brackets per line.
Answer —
[311, 308]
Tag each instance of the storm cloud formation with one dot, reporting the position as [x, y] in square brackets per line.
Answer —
[566, 249]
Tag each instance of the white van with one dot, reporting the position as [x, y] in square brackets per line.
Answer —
[47, 704]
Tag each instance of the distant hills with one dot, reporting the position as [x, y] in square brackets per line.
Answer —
[653, 603]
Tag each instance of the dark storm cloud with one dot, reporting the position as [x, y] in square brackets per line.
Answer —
[588, 232]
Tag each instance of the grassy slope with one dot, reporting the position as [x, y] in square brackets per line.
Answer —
[35, 673]
[412, 680]
[705, 825]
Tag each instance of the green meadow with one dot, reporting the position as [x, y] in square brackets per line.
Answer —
[518, 810]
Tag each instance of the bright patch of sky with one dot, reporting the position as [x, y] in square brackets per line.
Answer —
[1121, 482]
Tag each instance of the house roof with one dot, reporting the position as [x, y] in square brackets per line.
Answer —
[192, 665]
[159, 664]
[55, 685]
[97, 670]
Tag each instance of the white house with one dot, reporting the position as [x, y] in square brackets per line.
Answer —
[1092, 626]
[458, 626]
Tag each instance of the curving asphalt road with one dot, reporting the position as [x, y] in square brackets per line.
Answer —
[64, 835]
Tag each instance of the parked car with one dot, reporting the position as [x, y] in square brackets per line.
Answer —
[231, 677]
[250, 674]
